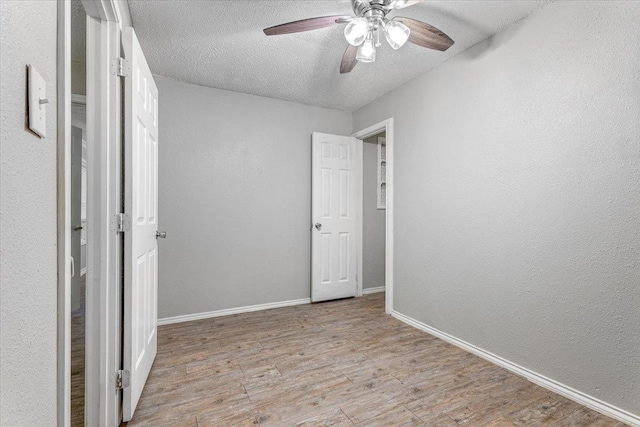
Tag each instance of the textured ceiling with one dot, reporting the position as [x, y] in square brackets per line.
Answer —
[221, 44]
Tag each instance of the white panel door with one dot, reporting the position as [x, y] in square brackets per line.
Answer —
[336, 214]
[141, 206]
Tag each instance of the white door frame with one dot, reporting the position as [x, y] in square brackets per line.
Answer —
[104, 184]
[63, 208]
[387, 127]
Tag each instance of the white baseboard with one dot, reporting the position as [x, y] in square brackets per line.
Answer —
[230, 311]
[372, 290]
[541, 380]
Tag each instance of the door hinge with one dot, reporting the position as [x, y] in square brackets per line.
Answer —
[120, 67]
[122, 379]
[122, 223]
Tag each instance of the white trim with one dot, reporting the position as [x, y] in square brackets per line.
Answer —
[360, 237]
[536, 378]
[230, 311]
[379, 160]
[104, 184]
[63, 210]
[103, 10]
[377, 289]
[387, 127]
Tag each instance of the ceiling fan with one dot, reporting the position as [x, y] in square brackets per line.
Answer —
[363, 30]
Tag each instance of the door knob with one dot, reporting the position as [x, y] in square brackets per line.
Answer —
[161, 234]
[318, 226]
[77, 228]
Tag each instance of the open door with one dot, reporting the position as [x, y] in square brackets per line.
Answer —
[140, 222]
[336, 214]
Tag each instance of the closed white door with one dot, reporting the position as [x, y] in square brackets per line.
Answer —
[336, 213]
[141, 209]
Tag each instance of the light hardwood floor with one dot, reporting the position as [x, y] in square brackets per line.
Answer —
[78, 319]
[339, 363]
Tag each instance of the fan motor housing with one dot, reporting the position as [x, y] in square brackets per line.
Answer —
[372, 8]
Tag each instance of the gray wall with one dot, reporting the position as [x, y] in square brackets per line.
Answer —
[28, 267]
[517, 196]
[373, 218]
[78, 48]
[78, 77]
[235, 179]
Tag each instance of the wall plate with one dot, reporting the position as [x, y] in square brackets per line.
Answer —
[37, 89]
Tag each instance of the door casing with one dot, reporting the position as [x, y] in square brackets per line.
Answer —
[387, 127]
[105, 20]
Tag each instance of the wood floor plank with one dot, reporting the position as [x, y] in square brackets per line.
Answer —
[78, 319]
[392, 415]
[499, 422]
[335, 418]
[340, 363]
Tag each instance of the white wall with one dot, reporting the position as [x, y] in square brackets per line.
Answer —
[235, 179]
[28, 266]
[373, 218]
[518, 200]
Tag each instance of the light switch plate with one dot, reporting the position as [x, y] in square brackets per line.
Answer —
[37, 89]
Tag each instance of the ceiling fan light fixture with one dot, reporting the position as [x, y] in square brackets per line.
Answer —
[371, 16]
[356, 31]
[396, 33]
[367, 51]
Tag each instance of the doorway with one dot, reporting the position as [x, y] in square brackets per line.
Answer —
[89, 245]
[386, 127]
[78, 217]
[326, 251]
[374, 168]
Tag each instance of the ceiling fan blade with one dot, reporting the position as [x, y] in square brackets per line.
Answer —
[305, 25]
[426, 35]
[348, 59]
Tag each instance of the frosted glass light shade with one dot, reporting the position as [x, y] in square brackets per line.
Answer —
[367, 51]
[356, 31]
[396, 34]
